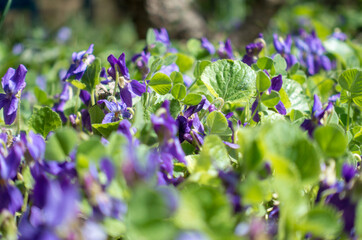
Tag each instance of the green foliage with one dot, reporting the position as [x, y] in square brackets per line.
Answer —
[230, 80]
[44, 120]
[161, 83]
[60, 144]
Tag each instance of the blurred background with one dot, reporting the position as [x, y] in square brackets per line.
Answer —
[45, 30]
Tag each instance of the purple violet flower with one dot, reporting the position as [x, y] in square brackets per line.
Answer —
[253, 50]
[283, 47]
[162, 36]
[141, 61]
[63, 35]
[208, 45]
[312, 53]
[80, 62]
[117, 111]
[13, 84]
[166, 129]
[318, 113]
[63, 97]
[225, 50]
[128, 88]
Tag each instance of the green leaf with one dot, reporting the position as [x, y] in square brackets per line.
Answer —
[266, 63]
[184, 62]
[331, 140]
[42, 97]
[44, 120]
[91, 76]
[154, 64]
[78, 84]
[160, 83]
[151, 36]
[96, 114]
[280, 64]
[213, 153]
[358, 222]
[250, 148]
[351, 80]
[200, 67]
[60, 144]
[91, 150]
[107, 128]
[192, 99]
[113, 227]
[321, 221]
[169, 59]
[270, 100]
[284, 142]
[179, 91]
[252, 190]
[177, 77]
[230, 80]
[262, 81]
[217, 123]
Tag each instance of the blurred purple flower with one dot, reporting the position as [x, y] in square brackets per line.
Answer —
[253, 50]
[166, 129]
[283, 47]
[312, 53]
[141, 61]
[55, 204]
[18, 48]
[63, 97]
[225, 50]
[63, 35]
[207, 45]
[13, 83]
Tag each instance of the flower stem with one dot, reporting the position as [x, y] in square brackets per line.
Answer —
[92, 98]
[77, 102]
[116, 83]
[5, 12]
[348, 112]
[18, 119]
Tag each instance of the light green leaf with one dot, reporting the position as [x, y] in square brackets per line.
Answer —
[60, 144]
[178, 91]
[160, 83]
[217, 123]
[262, 81]
[351, 80]
[177, 77]
[107, 128]
[192, 99]
[184, 62]
[331, 140]
[270, 100]
[230, 80]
